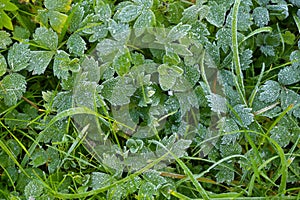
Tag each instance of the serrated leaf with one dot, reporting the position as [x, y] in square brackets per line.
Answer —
[47, 38]
[55, 133]
[4, 39]
[227, 126]
[61, 64]
[216, 14]
[58, 5]
[217, 103]
[147, 190]
[178, 32]
[33, 189]
[18, 57]
[76, 20]
[122, 63]
[118, 90]
[39, 61]
[146, 19]
[246, 59]
[119, 31]
[145, 3]
[281, 135]
[107, 46]
[57, 20]
[129, 13]
[295, 58]
[230, 149]
[104, 11]
[76, 44]
[225, 175]
[289, 97]
[245, 117]
[261, 16]
[100, 179]
[168, 75]
[12, 88]
[289, 75]
[289, 37]
[63, 101]
[91, 67]
[271, 91]
[3, 65]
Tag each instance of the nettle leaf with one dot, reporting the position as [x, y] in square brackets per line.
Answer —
[261, 16]
[62, 64]
[281, 135]
[178, 32]
[118, 90]
[18, 57]
[12, 88]
[3, 65]
[76, 20]
[76, 44]
[47, 38]
[55, 132]
[217, 103]
[289, 75]
[216, 14]
[199, 32]
[58, 5]
[146, 19]
[289, 97]
[168, 75]
[4, 39]
[271, 91]
[129, 13]
[147, 190]
[39, 61]
[245, 117]
[230, 149]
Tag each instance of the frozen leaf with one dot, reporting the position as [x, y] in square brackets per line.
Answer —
[46, 38]
[145, 3]
[63, 101]
[61, 64]
[39, 61]
[224, 38]
[271, 91]
[216, 14]
[245, 117]
[154, 177]
[98, 32]
[3, 65]
[58, 5]
[12, 88]
[230, 149]
[289, 97]
[227, 126]
[281, 135]
[100, 179]
[178, 32]
[108, 46]
[119, 31]
[281, 10]
[295, 58]
[217, 103]
[225, 175]
[129, 13]
[122, 63]
[54, 133]
[147, 190]
[168, 75]
[145, 20]
[18, 57]
[103, 11]
[289, 75]
[76, 44]
[4, 39]
[261, 16]
[57, 20]
[38, 158]
[76, 20]
[33, 189]
[246, 59]
[91, 67]
[192, 13]
[118, 90]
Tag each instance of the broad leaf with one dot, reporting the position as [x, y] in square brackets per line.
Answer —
[18, 57]
[168, 75]
[271, 91]
[217, 103]
[129, 13]
[76, 44]
[61, 65]
[58, 5]
[4, 39]
[289, 75]
[179, 31]
[261, 16]
[3, 65]
[146, 19]
[46, 38]
[216, 14]
[39, 61]
[245, 117]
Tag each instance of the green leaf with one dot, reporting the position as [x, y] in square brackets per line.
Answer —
[58, 5]
[281, 135]
[145, 3]
[225, 175]
[18, 57]
[100, 179]
[118, 90]
[178, 32]
[217, 103]
[33, 189]
[39, 61]
[57, 20]
[216, 14]
[63, 101]
[12, 88]
[61, 64]
[246, 59]
[46, 38]
[168, 75]
[289, 37]
[129, 13]
[271, 91]
[245, 117]
[4, 39]
[38, 158]
[104, 11]
[91, 67]
[230, 149]
[289, 97]
[76, 44]
[261, 16]
[295, 58]
[8, 6]
[146, 19]
[3, 65]
[122, 63]
[289, 75]
[5, 21]
[55, 133]
[228, 126]
[192, 13]
[147, 190]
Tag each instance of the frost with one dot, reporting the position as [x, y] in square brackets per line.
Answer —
[33, 189]
[225, 175]
[103, 11]
[76, 44]
[58, 5]
[129, 13]
[271, 91]
[147, 190]
[46, 38]
[216, 14]
[146, 19]
[57, 20]
[261, 16]
[217, 103]
[39, 61]
[18, 57]
[12, 88]
[289, 97]
[4, 39]
[295, 58]
[230, 149]
[227, 126]
[3, 65]
[62, 101]
[100, 179]
[168, 75]
[289, 75]
[281, 135]
[178, 32]
[245, 117]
